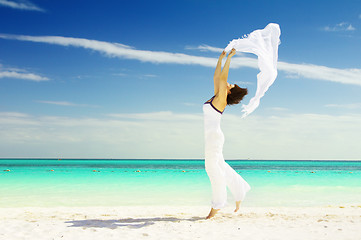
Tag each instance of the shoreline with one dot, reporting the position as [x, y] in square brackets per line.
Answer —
[180, 222]
[184, 159]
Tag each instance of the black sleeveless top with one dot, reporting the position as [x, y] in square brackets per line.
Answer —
[210, 102]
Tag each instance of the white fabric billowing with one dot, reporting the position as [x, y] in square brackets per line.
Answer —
[264, 43]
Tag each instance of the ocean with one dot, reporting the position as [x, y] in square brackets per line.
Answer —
[105, 182]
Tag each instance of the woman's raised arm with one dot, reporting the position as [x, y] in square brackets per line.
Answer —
[220, 101]
[224, 73]
[217, 73]
[222, 87]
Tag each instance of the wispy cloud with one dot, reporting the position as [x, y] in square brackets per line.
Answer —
[343, 26]
[345, 106]
[159, 116]
[13, 114]
[278, 109]
[293, 75]
[173, 135]
[149, 75]
[117, 50]
[243, 83]
[20, 74]
[205, 48]
[310, 71]
[65, 103]
[120, 74]
[25, 76]
[140, 76]
[345, 76]
[22, 5]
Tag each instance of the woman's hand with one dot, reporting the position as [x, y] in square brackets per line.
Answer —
[232, 52]
[223, 54]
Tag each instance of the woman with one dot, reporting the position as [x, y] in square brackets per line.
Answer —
[220, 174]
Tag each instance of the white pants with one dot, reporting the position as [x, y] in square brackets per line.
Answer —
[221, 176]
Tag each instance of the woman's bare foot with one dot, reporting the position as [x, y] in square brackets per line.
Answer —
[232, 52]
[238, 203]
[212, 213]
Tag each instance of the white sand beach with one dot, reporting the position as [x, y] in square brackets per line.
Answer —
[170, 222]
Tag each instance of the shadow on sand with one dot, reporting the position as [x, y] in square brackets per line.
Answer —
[126, 222]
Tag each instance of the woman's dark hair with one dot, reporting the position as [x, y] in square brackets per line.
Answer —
[236, 95]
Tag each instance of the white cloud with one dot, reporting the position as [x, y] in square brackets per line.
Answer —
[20, 74]
[118, 50]
[278, 109]
[205, 48]
[120, 74]
[140, 76]
[13, 114]
[345, 106]
[343, 26]
[350, 28]
[172, 135]
[65, 103]
[243, 83]
[293, 75]
[22, 5]
[149, 75]
[345, 76]
[159, 116]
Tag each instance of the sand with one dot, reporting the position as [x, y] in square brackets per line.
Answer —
[170, 222]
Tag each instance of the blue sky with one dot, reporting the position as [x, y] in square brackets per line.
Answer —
[127, 79]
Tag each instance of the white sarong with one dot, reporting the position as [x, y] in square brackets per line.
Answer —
[264, 43]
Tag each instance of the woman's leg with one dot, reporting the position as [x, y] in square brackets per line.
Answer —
[236, 184]
[216, 174]
[215, 171]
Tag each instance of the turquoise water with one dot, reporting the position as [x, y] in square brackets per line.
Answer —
[31, 182]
